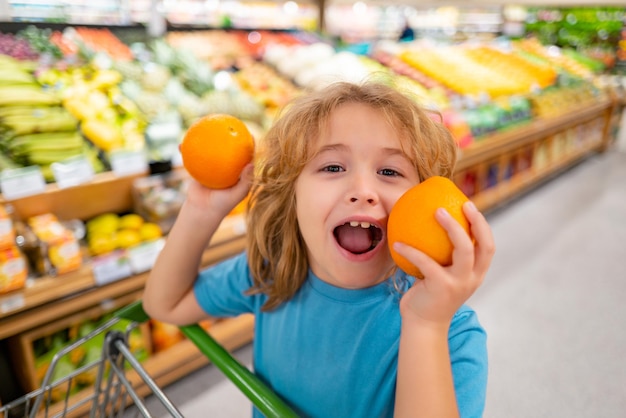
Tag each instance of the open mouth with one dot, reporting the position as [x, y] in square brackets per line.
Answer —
[358, 237]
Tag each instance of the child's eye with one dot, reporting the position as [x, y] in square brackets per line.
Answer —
[333, 168]
[389, 172]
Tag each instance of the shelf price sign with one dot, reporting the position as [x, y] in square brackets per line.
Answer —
[21, 182]
[126, 163]
[12, 303]
[72, 171]
[143, 256]
[109, 268]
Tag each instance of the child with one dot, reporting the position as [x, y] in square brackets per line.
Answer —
[339, 332]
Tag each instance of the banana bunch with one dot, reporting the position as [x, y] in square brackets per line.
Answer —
[22, 120]
[39, 135]
[14, 71]
[35, 129]
[18, 86]
[108, 119]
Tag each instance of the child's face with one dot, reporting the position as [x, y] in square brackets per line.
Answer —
[356, 176]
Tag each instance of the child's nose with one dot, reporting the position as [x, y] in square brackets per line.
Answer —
[354, 199]
[363, 191]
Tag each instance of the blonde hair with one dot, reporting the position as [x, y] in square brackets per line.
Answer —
[276, 251]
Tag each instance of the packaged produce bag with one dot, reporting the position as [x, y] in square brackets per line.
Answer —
[58, 244]
[13, 269]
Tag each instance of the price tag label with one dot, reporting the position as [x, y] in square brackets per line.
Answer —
[11, 303]
[126, 163]
[177, 158]
[143, 256]
[110, 268]
[21, 182]
[72, 171]
[168, 129]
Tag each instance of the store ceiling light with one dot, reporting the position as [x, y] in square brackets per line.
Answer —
[291, 7]
[359, 7]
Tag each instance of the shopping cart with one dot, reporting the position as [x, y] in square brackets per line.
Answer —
[113, 392]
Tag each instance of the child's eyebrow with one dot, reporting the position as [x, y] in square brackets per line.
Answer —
[329, 148]
[394, 151]
[342, 147]
[332, 147]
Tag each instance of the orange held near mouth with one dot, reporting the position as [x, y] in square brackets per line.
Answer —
[412, 221]
[215, 149]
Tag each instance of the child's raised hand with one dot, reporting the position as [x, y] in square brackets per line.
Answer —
[436, 298]
[220, 201]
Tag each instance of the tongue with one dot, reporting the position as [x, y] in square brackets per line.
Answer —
[356, 240]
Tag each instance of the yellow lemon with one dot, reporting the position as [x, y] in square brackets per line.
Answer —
[127, 238]
[150, 231]
[131, 221]
[102, 244]
[107, 223]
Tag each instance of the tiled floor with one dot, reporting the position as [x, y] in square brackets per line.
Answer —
[554, 305]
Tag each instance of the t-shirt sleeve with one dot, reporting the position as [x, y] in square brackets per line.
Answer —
[221, 288]
[468, 353]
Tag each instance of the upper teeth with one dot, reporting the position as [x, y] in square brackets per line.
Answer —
[361, 224]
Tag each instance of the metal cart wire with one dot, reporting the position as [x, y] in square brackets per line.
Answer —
[113, 392]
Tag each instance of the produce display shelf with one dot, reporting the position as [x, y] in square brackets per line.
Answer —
[107, 192]
[505, 141]
[507, 190]
[501, 148]
[63, 295]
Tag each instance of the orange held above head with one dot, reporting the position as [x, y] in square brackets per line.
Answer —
[215, 149]
[412, 221]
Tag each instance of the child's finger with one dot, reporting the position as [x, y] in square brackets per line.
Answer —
[248, 172]
[484, 242]
[245, 179]
[463, 253]
[427, 265]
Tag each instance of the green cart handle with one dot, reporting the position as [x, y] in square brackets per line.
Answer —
[266, 400]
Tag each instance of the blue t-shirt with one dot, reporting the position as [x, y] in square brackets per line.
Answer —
[333, 352]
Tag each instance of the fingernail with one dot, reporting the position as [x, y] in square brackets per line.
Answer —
[471, 205]
[442, 212]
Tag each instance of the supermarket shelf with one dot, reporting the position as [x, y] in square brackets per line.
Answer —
[47, 289]
[61, 296]
[499, 148]
[107, 192]
[503, 142]
[506, 190]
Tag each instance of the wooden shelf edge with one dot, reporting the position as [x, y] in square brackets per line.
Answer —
[42, 290]
[500, 194]
[30, 316]
[501, 142]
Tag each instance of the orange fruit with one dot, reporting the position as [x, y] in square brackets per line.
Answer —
[412, 221]
[215, 149]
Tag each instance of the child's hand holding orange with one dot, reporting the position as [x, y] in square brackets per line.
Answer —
[436, 234]
[215, 151]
